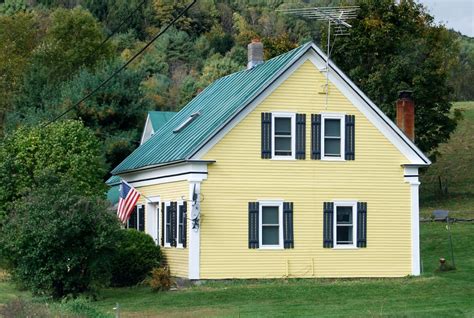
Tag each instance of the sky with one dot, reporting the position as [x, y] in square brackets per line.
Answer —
[455, 14]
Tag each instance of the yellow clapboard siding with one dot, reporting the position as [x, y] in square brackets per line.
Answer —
[175, 258]
[240, 176]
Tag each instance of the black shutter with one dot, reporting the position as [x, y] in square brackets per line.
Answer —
[288, 225]
[315, 137]
[183, 209]
[174, 220]
[350, 137]
[253, 224]
[141, 218]
[163, 224]
[132, 221]
[328, 224]
[300, 136]
[361, 224]
[266, 135]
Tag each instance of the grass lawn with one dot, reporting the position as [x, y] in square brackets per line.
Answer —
[435, 294]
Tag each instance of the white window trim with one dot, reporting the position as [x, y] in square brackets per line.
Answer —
[341, 117]
[352, 204]
[166, 244]
[293, 135]
[178, 245]
[278, 204]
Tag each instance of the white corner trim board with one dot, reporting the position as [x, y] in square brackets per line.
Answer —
[194, 234]
[411, 177]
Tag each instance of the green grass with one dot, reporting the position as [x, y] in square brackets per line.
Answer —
[434, 294]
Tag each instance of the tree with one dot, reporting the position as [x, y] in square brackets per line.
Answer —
[216, 67]
[58, 240]
[20, 34]
[72, 42]
[64, 148]
[393, 47]
[115, 113]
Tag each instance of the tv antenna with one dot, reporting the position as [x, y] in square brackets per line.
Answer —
[335, 16]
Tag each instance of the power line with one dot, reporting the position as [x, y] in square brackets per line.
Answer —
[123, 66]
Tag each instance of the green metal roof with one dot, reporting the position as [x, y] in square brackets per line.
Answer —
[216, 105]
[159, 118]
[113, 194]
[113, 180]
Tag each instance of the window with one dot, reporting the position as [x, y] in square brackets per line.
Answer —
[283, 132]
[168, 211]
[271, 229]
[344, 225]
[333, 137]
[137, 219]
[180, 223]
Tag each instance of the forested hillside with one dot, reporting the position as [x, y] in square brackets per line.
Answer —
[53, 53]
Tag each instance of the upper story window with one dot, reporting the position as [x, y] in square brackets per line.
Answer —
[283, 135]
[333, 137]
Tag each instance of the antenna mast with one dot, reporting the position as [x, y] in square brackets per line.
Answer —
[335, 16]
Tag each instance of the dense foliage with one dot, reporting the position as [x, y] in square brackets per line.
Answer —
[58, 241]
[59, 56]
[66, 149]
[136, 256]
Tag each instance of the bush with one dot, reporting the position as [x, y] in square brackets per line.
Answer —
[136, 256]
[57, 241]
[160, 279]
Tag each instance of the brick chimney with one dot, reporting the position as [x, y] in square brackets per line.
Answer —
[255, 53]
[406, 114]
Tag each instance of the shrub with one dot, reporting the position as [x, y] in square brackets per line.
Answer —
[136, 256]
[160, 279]
[58, 241]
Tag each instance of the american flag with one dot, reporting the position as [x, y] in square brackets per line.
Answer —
[127, 200]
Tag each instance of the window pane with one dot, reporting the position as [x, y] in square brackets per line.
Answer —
[270, 235]
[344, 215]
[332, 147]
[270, 215]
[282, 145]
[282, 126]
[332, 127]
[344, 235]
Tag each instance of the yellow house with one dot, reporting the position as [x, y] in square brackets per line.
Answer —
[285, 169]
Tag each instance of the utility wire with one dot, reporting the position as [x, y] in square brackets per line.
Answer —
[123, 66]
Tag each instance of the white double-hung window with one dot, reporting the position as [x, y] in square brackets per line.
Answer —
[283, 135]
[345, 225]
[332, 147]
[271, 224]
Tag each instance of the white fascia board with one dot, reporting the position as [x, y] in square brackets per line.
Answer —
[147, 130]
[189, 171]
[385, 125]
[250, 107]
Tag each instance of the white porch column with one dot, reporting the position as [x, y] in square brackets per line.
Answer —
[411, 176]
